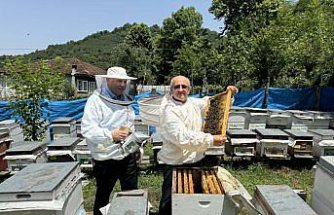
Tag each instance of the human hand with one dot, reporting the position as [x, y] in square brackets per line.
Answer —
[233, 89]
[218, 140]
[120, 134]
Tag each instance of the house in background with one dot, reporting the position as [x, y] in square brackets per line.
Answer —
[80, 76]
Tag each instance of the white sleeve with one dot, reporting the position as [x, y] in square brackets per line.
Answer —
[90, 124]
[176, 132]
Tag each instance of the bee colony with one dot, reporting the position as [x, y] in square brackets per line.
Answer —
[216, 118]
[215, 114]
[198, 191]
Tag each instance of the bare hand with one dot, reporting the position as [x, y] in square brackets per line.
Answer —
[233, 89]
[218, 140]
[119, 134]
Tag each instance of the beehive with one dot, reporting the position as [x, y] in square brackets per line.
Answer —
[198, 191]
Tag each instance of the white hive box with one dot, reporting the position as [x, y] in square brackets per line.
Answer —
[273, 143]
[301, 143]
[238, 118]
[279, 200]
[241, 143]
[199, 203]
[62, 149]
[140, 127]
[15, 131]
[157, 145]
[320, 119]
[301, 120]
[129, 202]
[257, 118]
[43, 189]
[20, 156]
[215, 150]
[83, 156]
[322, 200]
[63, 127]
[78, 127]
[323, 142]
[5, 142]
[278, 119]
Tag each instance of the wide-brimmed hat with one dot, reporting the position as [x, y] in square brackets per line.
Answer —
[117, 73]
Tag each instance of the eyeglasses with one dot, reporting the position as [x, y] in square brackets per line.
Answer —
[179, 86]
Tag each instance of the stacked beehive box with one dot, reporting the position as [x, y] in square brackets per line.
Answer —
[14, 130]
[63, 127]
[241, 143]
[62, 149]
[4, 145]
[83, 156]
[279, 200]
[22, 155]
[43, 189]
[323, 190]
[273, 143]
[323, 142]
[301, 143]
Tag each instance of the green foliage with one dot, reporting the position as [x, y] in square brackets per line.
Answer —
[181, 31]
[32, 82]
[140, 36]
[263, 43]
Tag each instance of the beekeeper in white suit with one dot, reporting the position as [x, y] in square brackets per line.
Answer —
[180, 127]
[108, 120]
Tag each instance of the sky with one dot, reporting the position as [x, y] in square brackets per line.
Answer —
[28, 25]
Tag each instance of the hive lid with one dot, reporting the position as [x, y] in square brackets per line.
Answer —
[322, 132]
[281, 199]
[63, 120]
[296, 134]
[241, 133]
[26, 148]
[64, 142]
[38, 181]
[272, 133]
[327, 162]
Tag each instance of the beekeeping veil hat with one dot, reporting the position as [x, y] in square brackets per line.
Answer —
[113, 72]
[117, 73]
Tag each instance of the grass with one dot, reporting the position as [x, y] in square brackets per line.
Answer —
[296, 174]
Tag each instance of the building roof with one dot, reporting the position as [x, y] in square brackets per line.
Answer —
[82, 67]
[66, 65]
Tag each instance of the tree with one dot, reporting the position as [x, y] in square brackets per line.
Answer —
[182, 29]
[140, 36]
[32, 83]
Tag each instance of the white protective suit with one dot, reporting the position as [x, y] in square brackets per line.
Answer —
[101, 116]
[180, 129]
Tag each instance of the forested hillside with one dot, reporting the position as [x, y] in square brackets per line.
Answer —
[263, 43]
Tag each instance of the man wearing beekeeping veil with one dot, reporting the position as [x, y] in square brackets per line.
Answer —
[180, 128]
[108, 120]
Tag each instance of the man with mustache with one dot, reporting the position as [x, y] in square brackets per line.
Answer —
[108, 120]
[184, 144]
